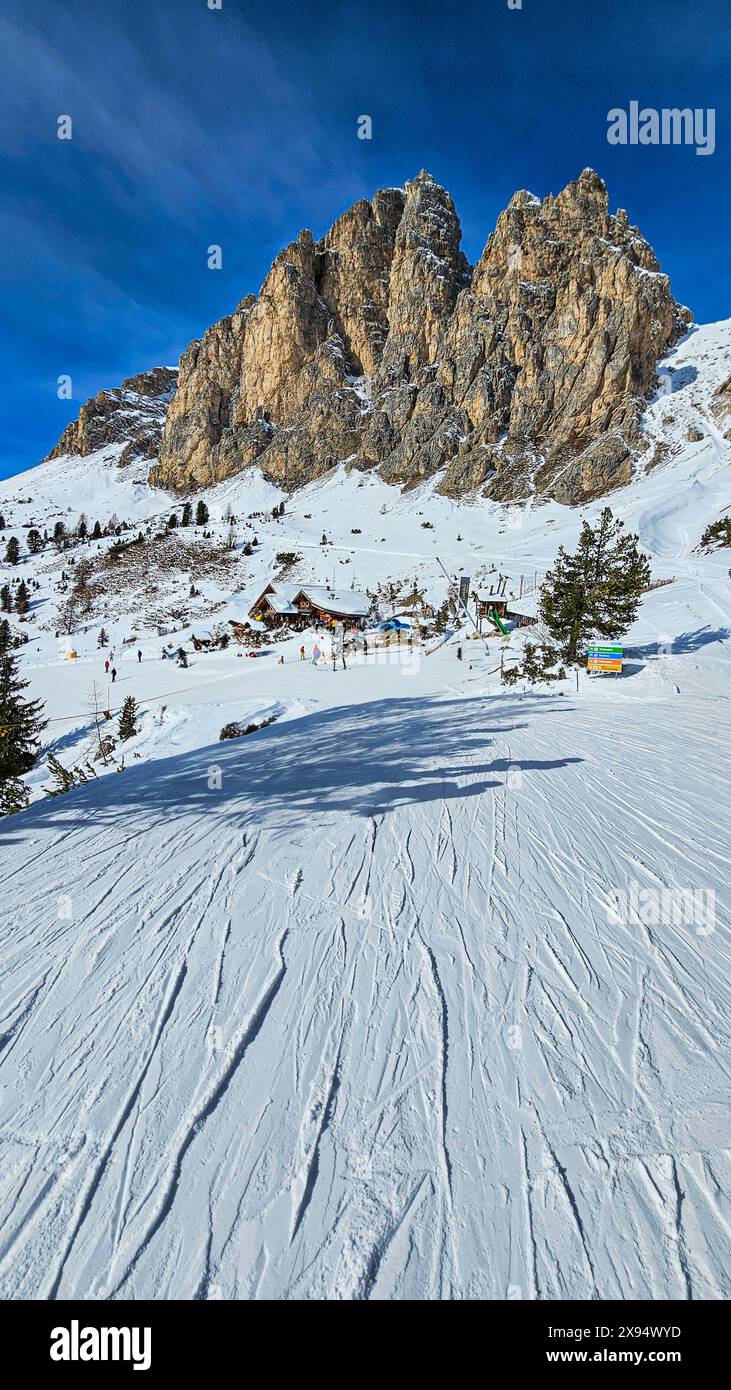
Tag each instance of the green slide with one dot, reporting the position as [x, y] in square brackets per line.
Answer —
[500, 625]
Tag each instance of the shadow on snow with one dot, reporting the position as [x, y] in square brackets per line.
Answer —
[365, 760]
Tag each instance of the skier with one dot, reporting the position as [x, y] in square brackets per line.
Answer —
[459, 653]
[302, 653]
[316, 654]
[114, 674]
[365, 646]
[106, 667]
[139, 653]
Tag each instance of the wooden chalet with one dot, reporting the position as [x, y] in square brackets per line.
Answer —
[299, 606]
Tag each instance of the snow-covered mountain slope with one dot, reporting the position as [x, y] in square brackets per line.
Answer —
[385, 1000]
[675, 492]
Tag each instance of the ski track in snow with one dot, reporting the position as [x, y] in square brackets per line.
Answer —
[394, 1051]
[360, 1024]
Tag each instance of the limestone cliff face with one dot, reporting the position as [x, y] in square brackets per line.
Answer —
[132, 414]
[379, 345]
[722, 407]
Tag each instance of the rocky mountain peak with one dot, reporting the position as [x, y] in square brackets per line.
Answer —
[379, 345]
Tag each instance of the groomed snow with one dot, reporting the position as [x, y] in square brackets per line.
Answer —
[352, 1008]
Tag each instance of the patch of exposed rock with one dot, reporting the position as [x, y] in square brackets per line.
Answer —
[721, 406]
[132, 414]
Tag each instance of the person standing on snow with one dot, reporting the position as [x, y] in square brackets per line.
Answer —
[106, 667]
[302, 653]
[114, 674]
[139, 653]
[459, 653]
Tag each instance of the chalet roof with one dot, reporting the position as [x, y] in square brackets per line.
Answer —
[277, 594]
[280, 603]
[484, 596]
[345, 603]
[288, 590]
[526, 607]
[348, 603]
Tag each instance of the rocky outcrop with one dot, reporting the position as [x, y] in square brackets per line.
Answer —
[721, 406]
[132, 414]
[381, 347]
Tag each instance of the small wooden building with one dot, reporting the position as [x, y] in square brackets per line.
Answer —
[486, 601]
[523, 611]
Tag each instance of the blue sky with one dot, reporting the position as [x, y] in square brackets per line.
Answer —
[238, 127]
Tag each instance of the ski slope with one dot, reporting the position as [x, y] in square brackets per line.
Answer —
[351, 1008]
[358, 1023]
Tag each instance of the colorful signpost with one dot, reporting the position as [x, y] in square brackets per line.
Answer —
[604, 658]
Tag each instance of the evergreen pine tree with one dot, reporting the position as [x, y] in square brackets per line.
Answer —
[34, 541]
[63, 778]
[22, 603]
[127, 726]
[172, 521]
[6, 636]
[718, 533]
[6, 601]
[596, 592]
[66, 778]
[14, 795]
[103, 638]
[201, 513]
[541, 662]
[59, 535]
[12, 551]
[20, 722]
[97, 532]
[187, 514]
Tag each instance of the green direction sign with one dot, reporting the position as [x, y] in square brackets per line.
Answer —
[610, 653]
